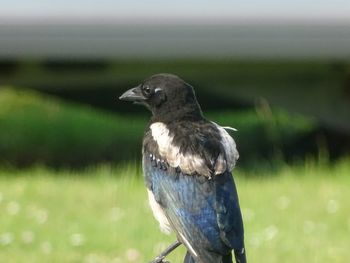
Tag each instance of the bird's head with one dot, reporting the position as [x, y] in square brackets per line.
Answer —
[167, 96]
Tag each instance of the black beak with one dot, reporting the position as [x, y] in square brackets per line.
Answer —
[133, 94]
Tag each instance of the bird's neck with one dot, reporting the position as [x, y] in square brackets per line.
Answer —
[177, 113]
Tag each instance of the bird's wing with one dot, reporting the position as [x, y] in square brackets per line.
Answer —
[203, 212]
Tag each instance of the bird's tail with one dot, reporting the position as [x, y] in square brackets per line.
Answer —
[240, 256]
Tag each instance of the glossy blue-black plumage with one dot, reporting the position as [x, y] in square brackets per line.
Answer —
[205, 211]
[201, 206]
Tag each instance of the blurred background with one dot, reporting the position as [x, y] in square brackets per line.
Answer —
[70, 151]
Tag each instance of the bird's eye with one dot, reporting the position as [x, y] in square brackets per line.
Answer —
[146, 90]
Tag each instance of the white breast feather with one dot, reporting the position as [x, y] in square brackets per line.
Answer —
[191, 163]
[159, 213]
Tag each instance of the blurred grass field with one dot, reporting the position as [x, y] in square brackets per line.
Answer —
[295, 214]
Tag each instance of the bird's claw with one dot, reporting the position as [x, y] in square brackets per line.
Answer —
[160, 258]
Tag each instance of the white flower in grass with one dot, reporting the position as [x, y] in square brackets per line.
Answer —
[116, 213]
[77, 239]
[332, 206]
[27, 237]
[13, 208]
[6, 238]
[41, 216]
[132, 255]
[271, 232]
[283, 202]
[46, 247]
[309, 227]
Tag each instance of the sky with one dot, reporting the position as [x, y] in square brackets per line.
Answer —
[175, 10]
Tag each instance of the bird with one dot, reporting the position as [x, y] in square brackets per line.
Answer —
[187, 162]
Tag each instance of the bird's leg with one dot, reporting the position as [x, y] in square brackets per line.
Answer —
[167, 251]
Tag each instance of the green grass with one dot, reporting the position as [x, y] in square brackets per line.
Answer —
[298, 214]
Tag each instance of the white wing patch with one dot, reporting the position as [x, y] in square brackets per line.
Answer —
[188, 163]
[191, 163]
[159, 214]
